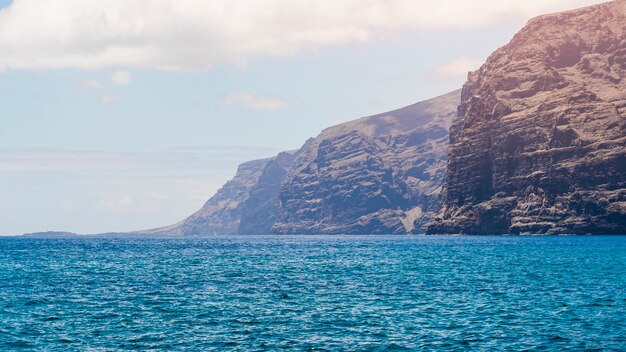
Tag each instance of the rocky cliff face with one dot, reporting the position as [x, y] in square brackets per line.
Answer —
[247, 204]
[259, 212]
[378, 174]
[539, 145]
[221, 214]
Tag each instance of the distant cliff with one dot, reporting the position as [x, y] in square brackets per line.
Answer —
[260, 211]
[246, 204]
[378, 174]
[539, 145]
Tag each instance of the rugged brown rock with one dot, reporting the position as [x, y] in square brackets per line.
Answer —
[378, 174]
[539, 145]
[221, 214]
[247, 204]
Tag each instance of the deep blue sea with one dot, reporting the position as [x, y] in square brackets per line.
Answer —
[322, 293]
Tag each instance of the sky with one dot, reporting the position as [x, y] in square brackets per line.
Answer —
[120, 115]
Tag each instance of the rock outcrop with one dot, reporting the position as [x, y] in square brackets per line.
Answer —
[247, 204]
[539, 145]
[260, 210]
[221, 214]
[378, 174]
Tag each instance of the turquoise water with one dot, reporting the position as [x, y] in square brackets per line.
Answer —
[314, 293]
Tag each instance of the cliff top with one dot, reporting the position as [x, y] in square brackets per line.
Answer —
[400, 121]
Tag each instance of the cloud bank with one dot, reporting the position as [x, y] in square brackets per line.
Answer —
[191, 35]
[99, 191]
[253, 101]
[121, 78]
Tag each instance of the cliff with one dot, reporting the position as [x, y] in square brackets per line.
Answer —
[247, 204]
[221, 214]
[539, 145]
[260, 211]
[378, 174]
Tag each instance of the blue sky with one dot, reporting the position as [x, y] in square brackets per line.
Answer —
[57, 108]
[96, 138]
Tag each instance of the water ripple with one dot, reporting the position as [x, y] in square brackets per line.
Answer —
[314, 293]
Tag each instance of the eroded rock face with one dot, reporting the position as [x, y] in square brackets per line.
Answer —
[540, 142]
[378, 174]
[221, 215]
[259, 212]
[246, 205]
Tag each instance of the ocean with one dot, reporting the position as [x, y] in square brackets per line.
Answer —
[314, 293]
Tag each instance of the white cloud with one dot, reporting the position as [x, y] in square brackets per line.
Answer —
[95, 85]
[252, 101]
[459, 66]
[121, 78]
[195, 34]
[109, 98]
[106, 97]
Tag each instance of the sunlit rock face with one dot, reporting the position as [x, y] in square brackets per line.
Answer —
[539, 145]
[260, 210]
[247, 204]
[379, 174]
[221, 214]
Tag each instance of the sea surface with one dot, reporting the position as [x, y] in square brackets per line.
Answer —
[314, 293]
